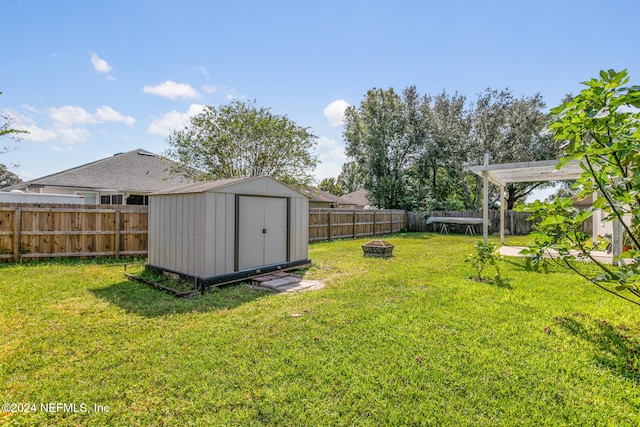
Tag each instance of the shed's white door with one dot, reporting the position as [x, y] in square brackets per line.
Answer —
[262, 234]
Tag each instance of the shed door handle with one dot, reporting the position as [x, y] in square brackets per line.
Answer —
[264, 231]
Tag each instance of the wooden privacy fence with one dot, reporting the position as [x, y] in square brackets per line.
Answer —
[52, 231]
[329, 224]
[515, 223]
[32, 231]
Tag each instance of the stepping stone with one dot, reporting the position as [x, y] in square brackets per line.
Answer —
[293, 287]
[276, 284]
[284, 281]
[263, 278]
[308, 285]
[305, 285]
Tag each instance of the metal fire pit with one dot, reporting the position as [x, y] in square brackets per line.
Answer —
[378, 249]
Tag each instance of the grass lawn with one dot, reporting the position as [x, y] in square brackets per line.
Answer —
[409, 340]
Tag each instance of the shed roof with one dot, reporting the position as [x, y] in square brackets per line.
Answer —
[546, 170]
[201, 186]
[229, 185]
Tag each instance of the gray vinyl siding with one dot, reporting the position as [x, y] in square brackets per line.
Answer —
[299, 236]
[219, 232]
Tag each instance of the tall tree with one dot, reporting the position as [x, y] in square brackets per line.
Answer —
[415, 149]
[511, 130]
[240, 139]
[331, 185]
[351, 178]
[382, 136]
[442, 155]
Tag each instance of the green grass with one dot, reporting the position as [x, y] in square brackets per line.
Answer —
[409, 340]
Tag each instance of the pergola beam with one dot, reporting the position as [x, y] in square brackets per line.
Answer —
[505, 173]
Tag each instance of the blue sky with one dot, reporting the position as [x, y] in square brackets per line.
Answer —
[90, 79]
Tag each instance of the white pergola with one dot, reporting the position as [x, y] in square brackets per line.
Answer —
[502, 174]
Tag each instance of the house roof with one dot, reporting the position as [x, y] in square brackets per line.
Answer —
[358, 198]
[319, 196]
[134, 171]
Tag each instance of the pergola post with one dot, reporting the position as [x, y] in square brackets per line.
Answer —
[485, 199]
[595, 218]
[616, 240]
[502, 208]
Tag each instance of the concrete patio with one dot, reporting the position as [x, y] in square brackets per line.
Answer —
[600, 256]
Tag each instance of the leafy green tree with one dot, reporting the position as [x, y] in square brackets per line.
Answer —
[331, 185]
[511, 130]
[382, 136]
[240, 139]
[443, 152]
[7, 177]
[6, 129]
[600, 128]
[351, 178]
[415, 149]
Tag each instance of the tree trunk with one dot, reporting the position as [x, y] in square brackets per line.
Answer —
[511, 196]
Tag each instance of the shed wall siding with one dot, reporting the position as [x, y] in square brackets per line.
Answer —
[154, 234]
[299, 229]
[219, 234]
[178, 225]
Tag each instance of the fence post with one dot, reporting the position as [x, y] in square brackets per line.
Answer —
[354, 223]
[375, 225]
[117, 236]
[330, 227]
[17, 225]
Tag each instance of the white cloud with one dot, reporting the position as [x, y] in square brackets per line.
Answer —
[100, 64]
[69, 124]
[62, 149]
[173, 90]
[108, 114]
[229, 93]
[332, 157]
[73, 135]
[30, 108]
[71, 114]
[210, 88]
[173, 120]
[334, 112]
[202, 69]
[37, 134]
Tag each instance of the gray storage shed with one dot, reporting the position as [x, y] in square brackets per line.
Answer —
[220, 231]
